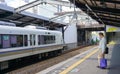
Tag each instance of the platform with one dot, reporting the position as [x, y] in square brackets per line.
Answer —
[86, 63]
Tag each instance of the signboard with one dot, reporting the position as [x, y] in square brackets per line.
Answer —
[112, 29]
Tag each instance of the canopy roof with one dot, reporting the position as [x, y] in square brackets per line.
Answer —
[106, 10]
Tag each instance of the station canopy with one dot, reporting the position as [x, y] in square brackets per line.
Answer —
[24, 18]
[61, 15]
[104, 11]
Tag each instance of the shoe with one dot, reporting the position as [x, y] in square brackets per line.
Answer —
[98, 66]
[103, 68]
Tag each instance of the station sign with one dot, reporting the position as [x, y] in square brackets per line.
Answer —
[112, 28]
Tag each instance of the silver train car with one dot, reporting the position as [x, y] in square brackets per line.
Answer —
[17, 42]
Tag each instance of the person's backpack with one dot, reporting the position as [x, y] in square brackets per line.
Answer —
[106, 50]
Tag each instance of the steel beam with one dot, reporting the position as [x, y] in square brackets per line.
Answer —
[67, 12]
[37, 2]
[110, 1]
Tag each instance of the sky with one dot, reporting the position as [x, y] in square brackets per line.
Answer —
[15, 3]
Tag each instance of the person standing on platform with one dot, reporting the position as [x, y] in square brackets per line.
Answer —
[102, 47]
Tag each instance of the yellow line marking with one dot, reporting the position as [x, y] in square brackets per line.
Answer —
[78, 62]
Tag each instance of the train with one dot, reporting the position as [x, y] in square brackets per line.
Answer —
[17, 42]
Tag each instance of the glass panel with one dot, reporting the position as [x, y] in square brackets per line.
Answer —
[49, 39]
[20, 40]
[25, 40]
[54, 38]
[0, 41]
[42, 39]
[5, 37]
[45, 39]
[34, 41]
[39, 40]
[13, 40]
[30, 39]
[5, 41]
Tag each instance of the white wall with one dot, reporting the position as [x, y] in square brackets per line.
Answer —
[70, 35]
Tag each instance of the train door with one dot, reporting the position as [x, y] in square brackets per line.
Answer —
[32, 40]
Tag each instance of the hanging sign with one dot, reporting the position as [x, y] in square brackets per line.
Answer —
[112, 29]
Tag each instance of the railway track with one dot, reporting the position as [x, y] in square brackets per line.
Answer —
[34, 68]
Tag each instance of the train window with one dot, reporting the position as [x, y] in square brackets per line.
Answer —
[49, 39]
[5, 37]
[13, 40]
[46, 39]
[0, 41]
[32, 39]
[42, 40]
[6, 41]
[19, 40]
[25, 40]
[39, 39]
[54, 39]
